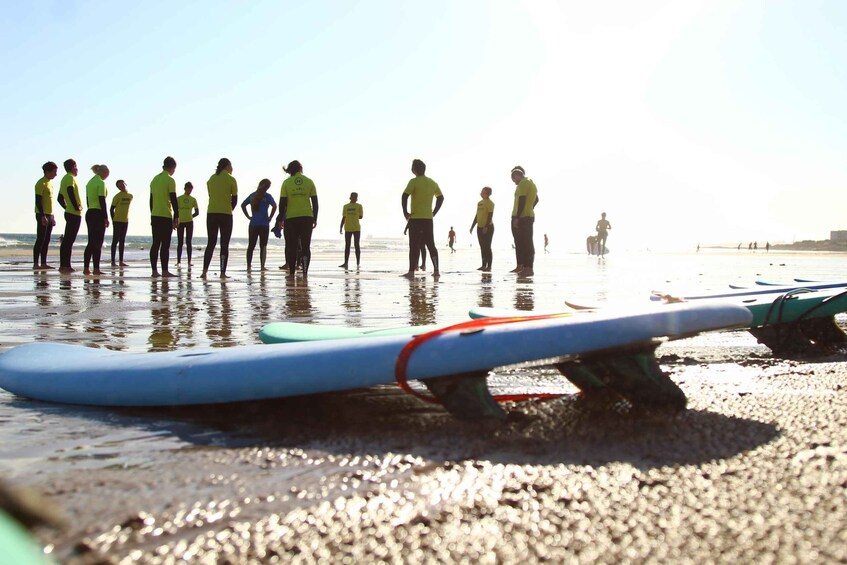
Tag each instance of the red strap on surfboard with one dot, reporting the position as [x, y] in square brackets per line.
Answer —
[479, 324]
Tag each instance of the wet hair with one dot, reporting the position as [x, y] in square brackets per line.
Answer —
[264, 185]
[169, 163]
[99, 169]
[519, 169]
[49, 166]
[222, 164]
[69, 165]
[418, 167]
[189, 185]
[293, 168]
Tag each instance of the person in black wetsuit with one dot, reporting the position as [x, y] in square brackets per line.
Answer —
[44, 219]
[69, 200]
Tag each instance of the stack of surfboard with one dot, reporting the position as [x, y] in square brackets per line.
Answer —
[601, 352]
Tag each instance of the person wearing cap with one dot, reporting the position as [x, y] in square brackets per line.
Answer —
[422, 189]
[523, 218]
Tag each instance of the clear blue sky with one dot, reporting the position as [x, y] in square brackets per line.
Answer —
[713, 121]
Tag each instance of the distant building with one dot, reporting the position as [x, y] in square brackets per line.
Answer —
[839, 236]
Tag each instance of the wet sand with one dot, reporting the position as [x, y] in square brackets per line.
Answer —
[754, 471]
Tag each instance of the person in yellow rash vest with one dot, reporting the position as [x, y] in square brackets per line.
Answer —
[163, 216]
[69, 200]
[44, 220]
[96, 218]
[119, 211]
[351, 213]
[188, 210]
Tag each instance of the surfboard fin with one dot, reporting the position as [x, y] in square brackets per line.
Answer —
[633, 373]
[815, 336]
[466, 396]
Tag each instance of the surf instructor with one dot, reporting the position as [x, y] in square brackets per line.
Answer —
[422, 189]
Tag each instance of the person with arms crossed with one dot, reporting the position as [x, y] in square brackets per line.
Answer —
[44, 219]
[350, 216]
[119, 212]
[484, 220]
[260, 221]
[69, 200]
[188, 210]
[298, 216]
[96, 218]
[223, 197]
[163, 216]
[422, 190]
[523, 218]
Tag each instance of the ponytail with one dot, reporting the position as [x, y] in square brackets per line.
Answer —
[293, 168]
[256, 199]
[222, 164]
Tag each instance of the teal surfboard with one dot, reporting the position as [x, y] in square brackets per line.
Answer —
[291, 332]
[81, 375]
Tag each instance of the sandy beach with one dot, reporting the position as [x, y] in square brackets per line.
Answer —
[754, 471]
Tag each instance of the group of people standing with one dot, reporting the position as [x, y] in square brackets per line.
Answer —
[298, 212]
[421, 190]
[296, 220]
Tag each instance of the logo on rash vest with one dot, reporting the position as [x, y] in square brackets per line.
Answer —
[298, 181]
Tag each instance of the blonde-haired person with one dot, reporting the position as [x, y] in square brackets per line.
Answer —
[96, 218]
[43, 215]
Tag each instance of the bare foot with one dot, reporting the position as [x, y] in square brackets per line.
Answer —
[203, 275]
[436, 274]
[46, 266]
[410, 275]
[168, 274]
[86, 272]
[343, 266]
[66, 269]
[124, 264]
[98, 273]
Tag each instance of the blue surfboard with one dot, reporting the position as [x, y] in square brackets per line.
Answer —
[81, 375]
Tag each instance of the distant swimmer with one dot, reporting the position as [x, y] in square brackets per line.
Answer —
[69, 199]
[603, 226]
[119, 211]
[96, 218]
[351, 213]
[223, 196]
[523, 219]
[451, 239]
[546, 243]
[298, 217]
[44, 219]
[260, 222]
[164, 216]
[188, 210]
[484, 222]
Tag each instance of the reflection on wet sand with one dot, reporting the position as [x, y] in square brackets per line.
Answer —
[353, 302]
[524, 297]
[298, 300]
[186, 312]
[93, 292]
[486, 292]
[259, 300]
[162, 336]
[220, 315]
[423, 300]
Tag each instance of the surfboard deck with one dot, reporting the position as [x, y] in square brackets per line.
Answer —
[798, 322]
[81, 375]
[758, 290]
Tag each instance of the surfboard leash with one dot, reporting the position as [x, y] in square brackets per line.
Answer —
[480, 324]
